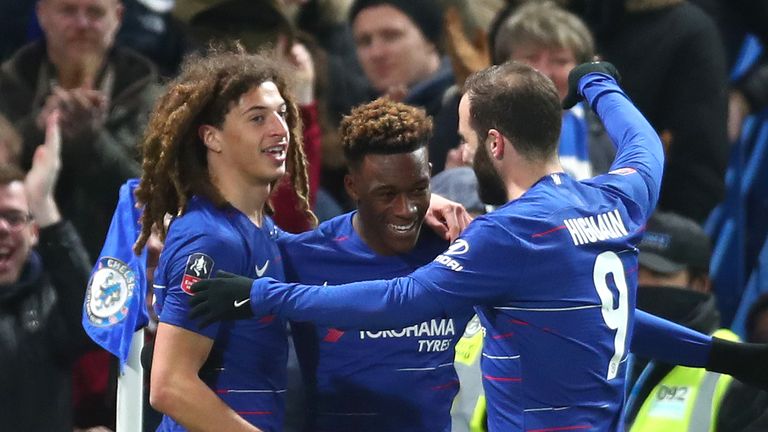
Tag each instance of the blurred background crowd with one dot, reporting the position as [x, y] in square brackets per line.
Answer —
[694, 68]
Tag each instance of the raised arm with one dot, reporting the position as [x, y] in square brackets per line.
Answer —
[60, 246]
[638, 145]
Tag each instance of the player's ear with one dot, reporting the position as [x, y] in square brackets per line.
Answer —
[496, 141]
[209, 135]
[350, 184]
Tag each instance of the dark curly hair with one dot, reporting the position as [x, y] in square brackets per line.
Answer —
[383, 127]
[175, 165]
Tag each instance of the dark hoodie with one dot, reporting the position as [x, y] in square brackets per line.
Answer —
[41, 335]
[673, 66]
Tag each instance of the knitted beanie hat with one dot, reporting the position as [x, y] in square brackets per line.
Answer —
[426, 14]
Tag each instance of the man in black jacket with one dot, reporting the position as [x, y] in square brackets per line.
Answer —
[44, 270]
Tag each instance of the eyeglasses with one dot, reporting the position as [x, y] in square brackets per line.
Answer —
[15, 220]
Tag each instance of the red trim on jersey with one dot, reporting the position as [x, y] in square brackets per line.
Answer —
[266, 319]
[333, 335]
[508, 379]
[504, 335]
[451, 384]
[548, 232]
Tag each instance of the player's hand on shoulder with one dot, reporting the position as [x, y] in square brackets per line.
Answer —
[580, 71]
[224, 297]
[447, 218]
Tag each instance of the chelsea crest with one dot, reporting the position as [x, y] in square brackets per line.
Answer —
[109, 290]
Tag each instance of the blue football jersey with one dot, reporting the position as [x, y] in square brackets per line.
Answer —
[362, 380]
[247, 364]
[556, 306]
[553, 274]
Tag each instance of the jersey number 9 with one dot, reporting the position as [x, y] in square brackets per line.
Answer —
[615, 317]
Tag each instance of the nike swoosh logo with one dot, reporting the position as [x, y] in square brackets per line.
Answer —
[260, 271]
[239, 303]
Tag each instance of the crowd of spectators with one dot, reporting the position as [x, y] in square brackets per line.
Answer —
[88, 72]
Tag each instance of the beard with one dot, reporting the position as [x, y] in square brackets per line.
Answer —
[490, 186]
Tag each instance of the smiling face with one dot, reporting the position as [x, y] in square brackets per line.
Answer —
[392, 195]
[17, 233]
[391, 48]
[253, 140]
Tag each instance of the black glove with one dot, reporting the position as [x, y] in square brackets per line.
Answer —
[579, 71]
[747, 362]
[225, 297]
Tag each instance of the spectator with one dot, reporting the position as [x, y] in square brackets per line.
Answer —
[749, 90]
[673, 67]
[326, 21]
[43, 276]
[673, 283]
[398, 45]
[151, 29]
[104, 93]
[553, 41]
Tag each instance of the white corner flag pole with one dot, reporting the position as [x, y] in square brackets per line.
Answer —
[130, 389]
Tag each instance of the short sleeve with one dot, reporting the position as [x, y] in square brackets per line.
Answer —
[198, 258]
